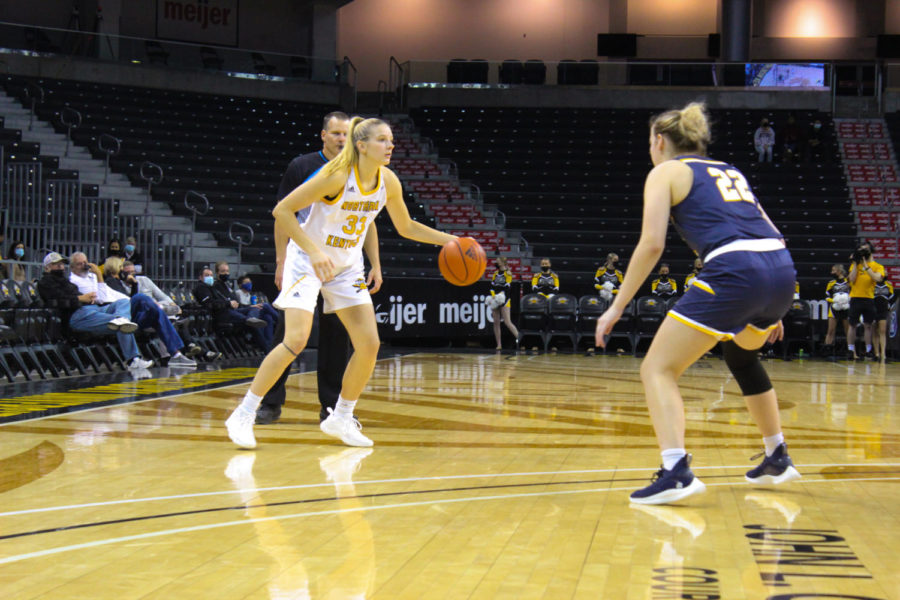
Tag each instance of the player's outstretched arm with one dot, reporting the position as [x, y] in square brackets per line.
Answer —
[400, 215]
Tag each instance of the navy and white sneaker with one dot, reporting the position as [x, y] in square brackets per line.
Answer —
[774, 469]
[670, 486]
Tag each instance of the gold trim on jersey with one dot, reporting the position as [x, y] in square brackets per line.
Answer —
[359, 183]
[702, 285]
[700, 327]
[296, 282]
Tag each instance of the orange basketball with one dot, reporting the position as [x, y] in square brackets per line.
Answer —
[462, 261]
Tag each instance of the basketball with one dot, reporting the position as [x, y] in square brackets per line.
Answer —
[462, 261]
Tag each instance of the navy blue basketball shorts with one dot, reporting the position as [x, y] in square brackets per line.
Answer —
[736, 290]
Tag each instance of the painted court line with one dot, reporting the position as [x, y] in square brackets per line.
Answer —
[397, 480]
[165, 532]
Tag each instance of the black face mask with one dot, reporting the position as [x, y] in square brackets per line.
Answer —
[545, 269]
[59, 274]
[223, 277]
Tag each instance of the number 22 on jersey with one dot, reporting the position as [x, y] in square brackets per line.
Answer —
[732, 185]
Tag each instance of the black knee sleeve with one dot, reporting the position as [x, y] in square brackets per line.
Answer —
[746, 369]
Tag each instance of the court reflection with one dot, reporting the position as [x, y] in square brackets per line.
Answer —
[777, 502]
[295, 573]
[675, 531]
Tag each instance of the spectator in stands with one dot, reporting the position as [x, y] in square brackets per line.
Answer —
[664, 286]
[546, 282]
[17, 253]
[500, 299]
[130, 253]
[865, 273]
[144, 310]
[82, 312]
[884, 297]
[698, 266]
[837, 294]
[764, 141]
[247, 298]
[113, 248]
[141, 284]
[815, 137]
[608, 278]
[792, 140]
[223, 305]
[118, 274]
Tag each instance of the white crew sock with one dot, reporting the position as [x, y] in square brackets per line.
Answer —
[344, 408]
[851, 347]
[671, 457]
[772, 442]
[868, 347]
[250, 402]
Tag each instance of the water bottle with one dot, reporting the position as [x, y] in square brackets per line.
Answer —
[253, 299]
[800, 353]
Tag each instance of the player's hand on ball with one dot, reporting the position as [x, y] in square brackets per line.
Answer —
[605, 324]
[777, 333]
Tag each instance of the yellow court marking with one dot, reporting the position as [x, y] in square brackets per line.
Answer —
[10, 407]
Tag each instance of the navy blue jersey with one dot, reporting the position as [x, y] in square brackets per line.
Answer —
[720, 208]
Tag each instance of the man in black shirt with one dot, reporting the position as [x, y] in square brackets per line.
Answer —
[334, 343]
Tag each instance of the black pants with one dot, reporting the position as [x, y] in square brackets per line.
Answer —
[333, 356]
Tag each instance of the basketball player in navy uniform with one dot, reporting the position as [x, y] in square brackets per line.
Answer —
[746, 287]
[324, 256]
[334, 345]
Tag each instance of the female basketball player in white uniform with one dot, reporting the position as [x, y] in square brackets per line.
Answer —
[324, 256]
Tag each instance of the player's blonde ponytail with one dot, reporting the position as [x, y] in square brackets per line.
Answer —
[360, 129]
[688, 128]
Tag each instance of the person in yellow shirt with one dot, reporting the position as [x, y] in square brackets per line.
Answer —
[865, 273]
[698, 266]
[546, 282]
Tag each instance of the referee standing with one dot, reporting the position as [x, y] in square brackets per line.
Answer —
[334, 343]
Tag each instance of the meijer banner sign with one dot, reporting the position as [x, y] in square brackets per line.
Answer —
[203, 21]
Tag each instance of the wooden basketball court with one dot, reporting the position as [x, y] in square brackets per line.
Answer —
[491, 477]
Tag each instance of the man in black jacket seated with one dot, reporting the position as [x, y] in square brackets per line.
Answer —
[79, 312]
[223, 305]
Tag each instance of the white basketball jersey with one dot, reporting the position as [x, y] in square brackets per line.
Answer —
[339, 226]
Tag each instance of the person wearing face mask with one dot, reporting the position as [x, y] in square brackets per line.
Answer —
[764, 141]
[130, 253]
[17, 253]
[608, 278]
[114, 248]
[664, 286]
[499, 301]
[698, 266]
[815, 137]
[546, 282]
[864, 275]
[248, 298]
[217, 297]
[81, 312]
[837, 294]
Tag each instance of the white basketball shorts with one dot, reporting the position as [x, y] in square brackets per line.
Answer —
[300, 287]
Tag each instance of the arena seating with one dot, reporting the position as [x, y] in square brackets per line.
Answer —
[571, 179]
